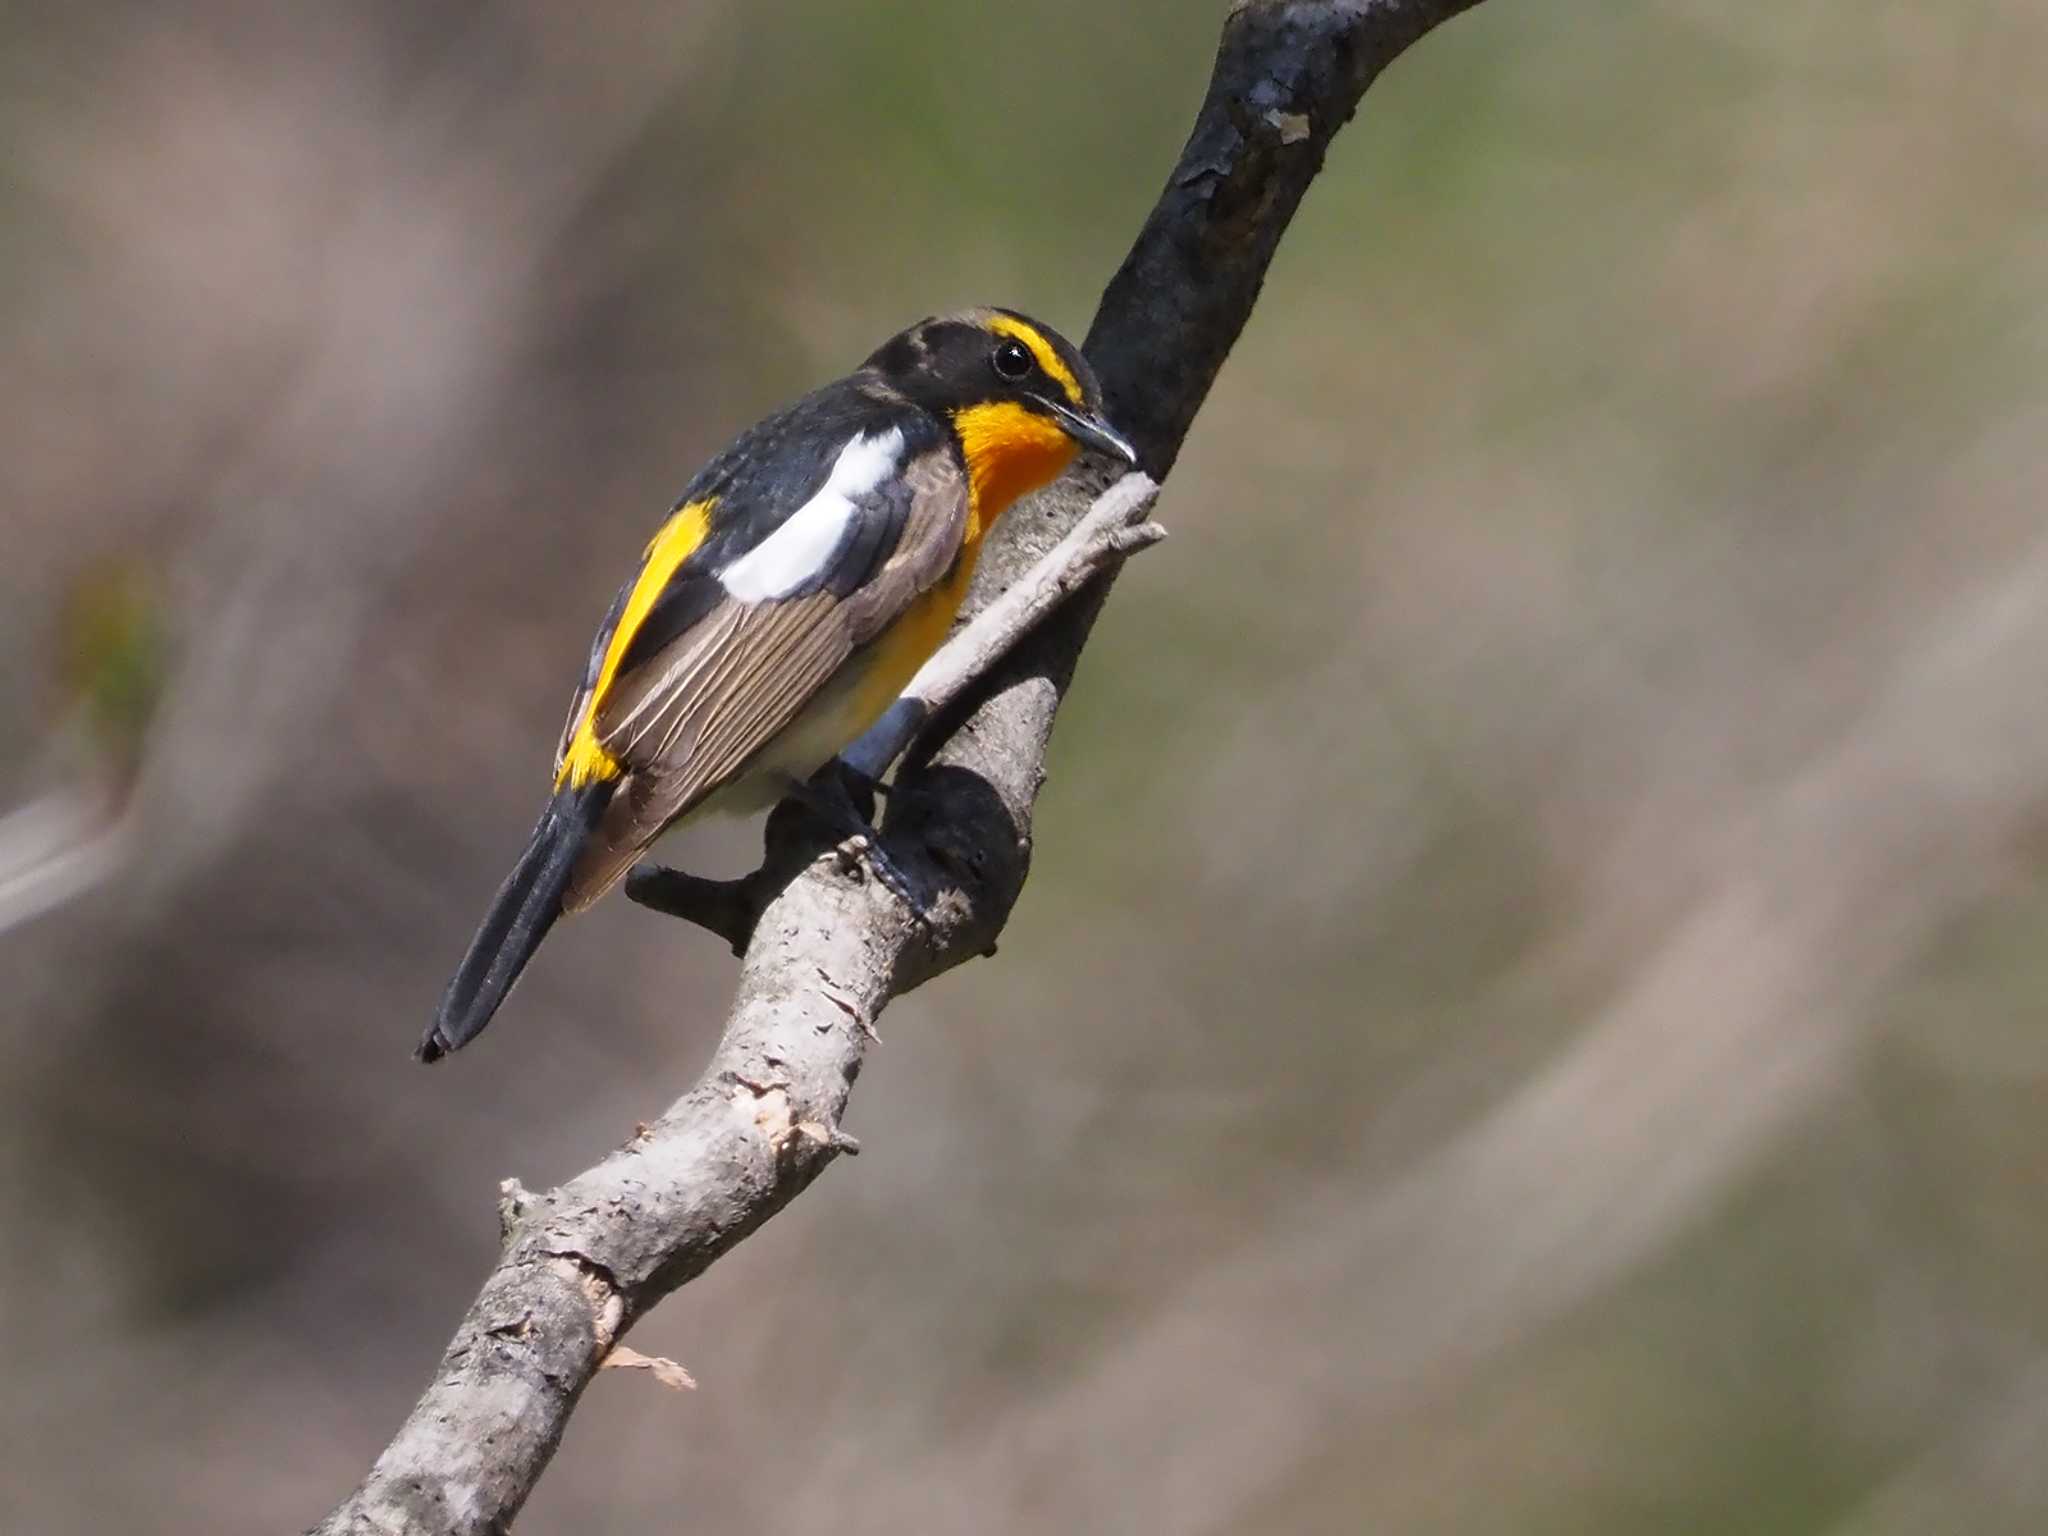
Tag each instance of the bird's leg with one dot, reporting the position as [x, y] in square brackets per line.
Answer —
[861, 788]
[830, 796]
[875, 752]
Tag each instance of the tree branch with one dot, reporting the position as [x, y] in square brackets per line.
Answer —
[583, 1262]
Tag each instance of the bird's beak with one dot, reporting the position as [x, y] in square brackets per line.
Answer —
[1091, 431]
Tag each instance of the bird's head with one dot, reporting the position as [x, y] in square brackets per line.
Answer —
[1019, 397]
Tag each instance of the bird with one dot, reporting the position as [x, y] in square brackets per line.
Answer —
[794, 588]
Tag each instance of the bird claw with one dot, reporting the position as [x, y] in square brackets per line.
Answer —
[830, 797]
[866, 850]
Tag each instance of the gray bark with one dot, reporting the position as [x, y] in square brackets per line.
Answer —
[829, 951]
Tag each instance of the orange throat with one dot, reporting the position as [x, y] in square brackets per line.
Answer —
[1010, 452]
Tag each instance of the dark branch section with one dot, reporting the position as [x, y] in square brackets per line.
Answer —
[1287, 77]
[727, 908]
[731, 908]
[828, 950]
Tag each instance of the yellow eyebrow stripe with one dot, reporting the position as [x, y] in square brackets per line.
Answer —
[586, 759]
[1048, 359]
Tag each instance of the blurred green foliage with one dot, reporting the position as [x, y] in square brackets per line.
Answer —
[112, 660]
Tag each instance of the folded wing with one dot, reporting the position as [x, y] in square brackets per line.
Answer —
[737, 642]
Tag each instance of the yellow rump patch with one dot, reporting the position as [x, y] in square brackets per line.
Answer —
[585, 759]
[1048, 359]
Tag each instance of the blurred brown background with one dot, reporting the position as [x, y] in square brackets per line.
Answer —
[1528, 1017]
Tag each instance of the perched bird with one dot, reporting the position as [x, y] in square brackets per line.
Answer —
[804, 576]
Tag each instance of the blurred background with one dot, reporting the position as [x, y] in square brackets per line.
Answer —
[1528, 1016]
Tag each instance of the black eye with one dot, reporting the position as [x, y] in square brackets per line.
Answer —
[1012, 361]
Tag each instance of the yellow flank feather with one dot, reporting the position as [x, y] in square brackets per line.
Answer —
[586, 760]
[1011, 451]
[907, 645]
[1048, 359]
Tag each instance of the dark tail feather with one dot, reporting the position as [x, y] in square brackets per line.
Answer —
[525, 908]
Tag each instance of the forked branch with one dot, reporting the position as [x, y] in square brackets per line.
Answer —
[583, 1262]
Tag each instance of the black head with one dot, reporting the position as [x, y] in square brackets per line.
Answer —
[954, 363]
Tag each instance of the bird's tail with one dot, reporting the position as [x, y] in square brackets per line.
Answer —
[523, 911]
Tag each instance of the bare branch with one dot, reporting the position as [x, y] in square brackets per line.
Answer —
[54, 850]
[829, 952]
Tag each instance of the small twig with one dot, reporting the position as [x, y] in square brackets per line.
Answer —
[514, 1201]
[728, 908]
[1111, 532]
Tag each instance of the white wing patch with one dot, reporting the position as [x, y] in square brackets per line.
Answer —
[799, 551]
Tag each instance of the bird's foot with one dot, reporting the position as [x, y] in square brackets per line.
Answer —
[843, 797]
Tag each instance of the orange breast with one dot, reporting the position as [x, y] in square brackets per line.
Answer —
[1010, 452]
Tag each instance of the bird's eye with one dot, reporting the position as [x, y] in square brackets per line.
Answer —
[1012, 361]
